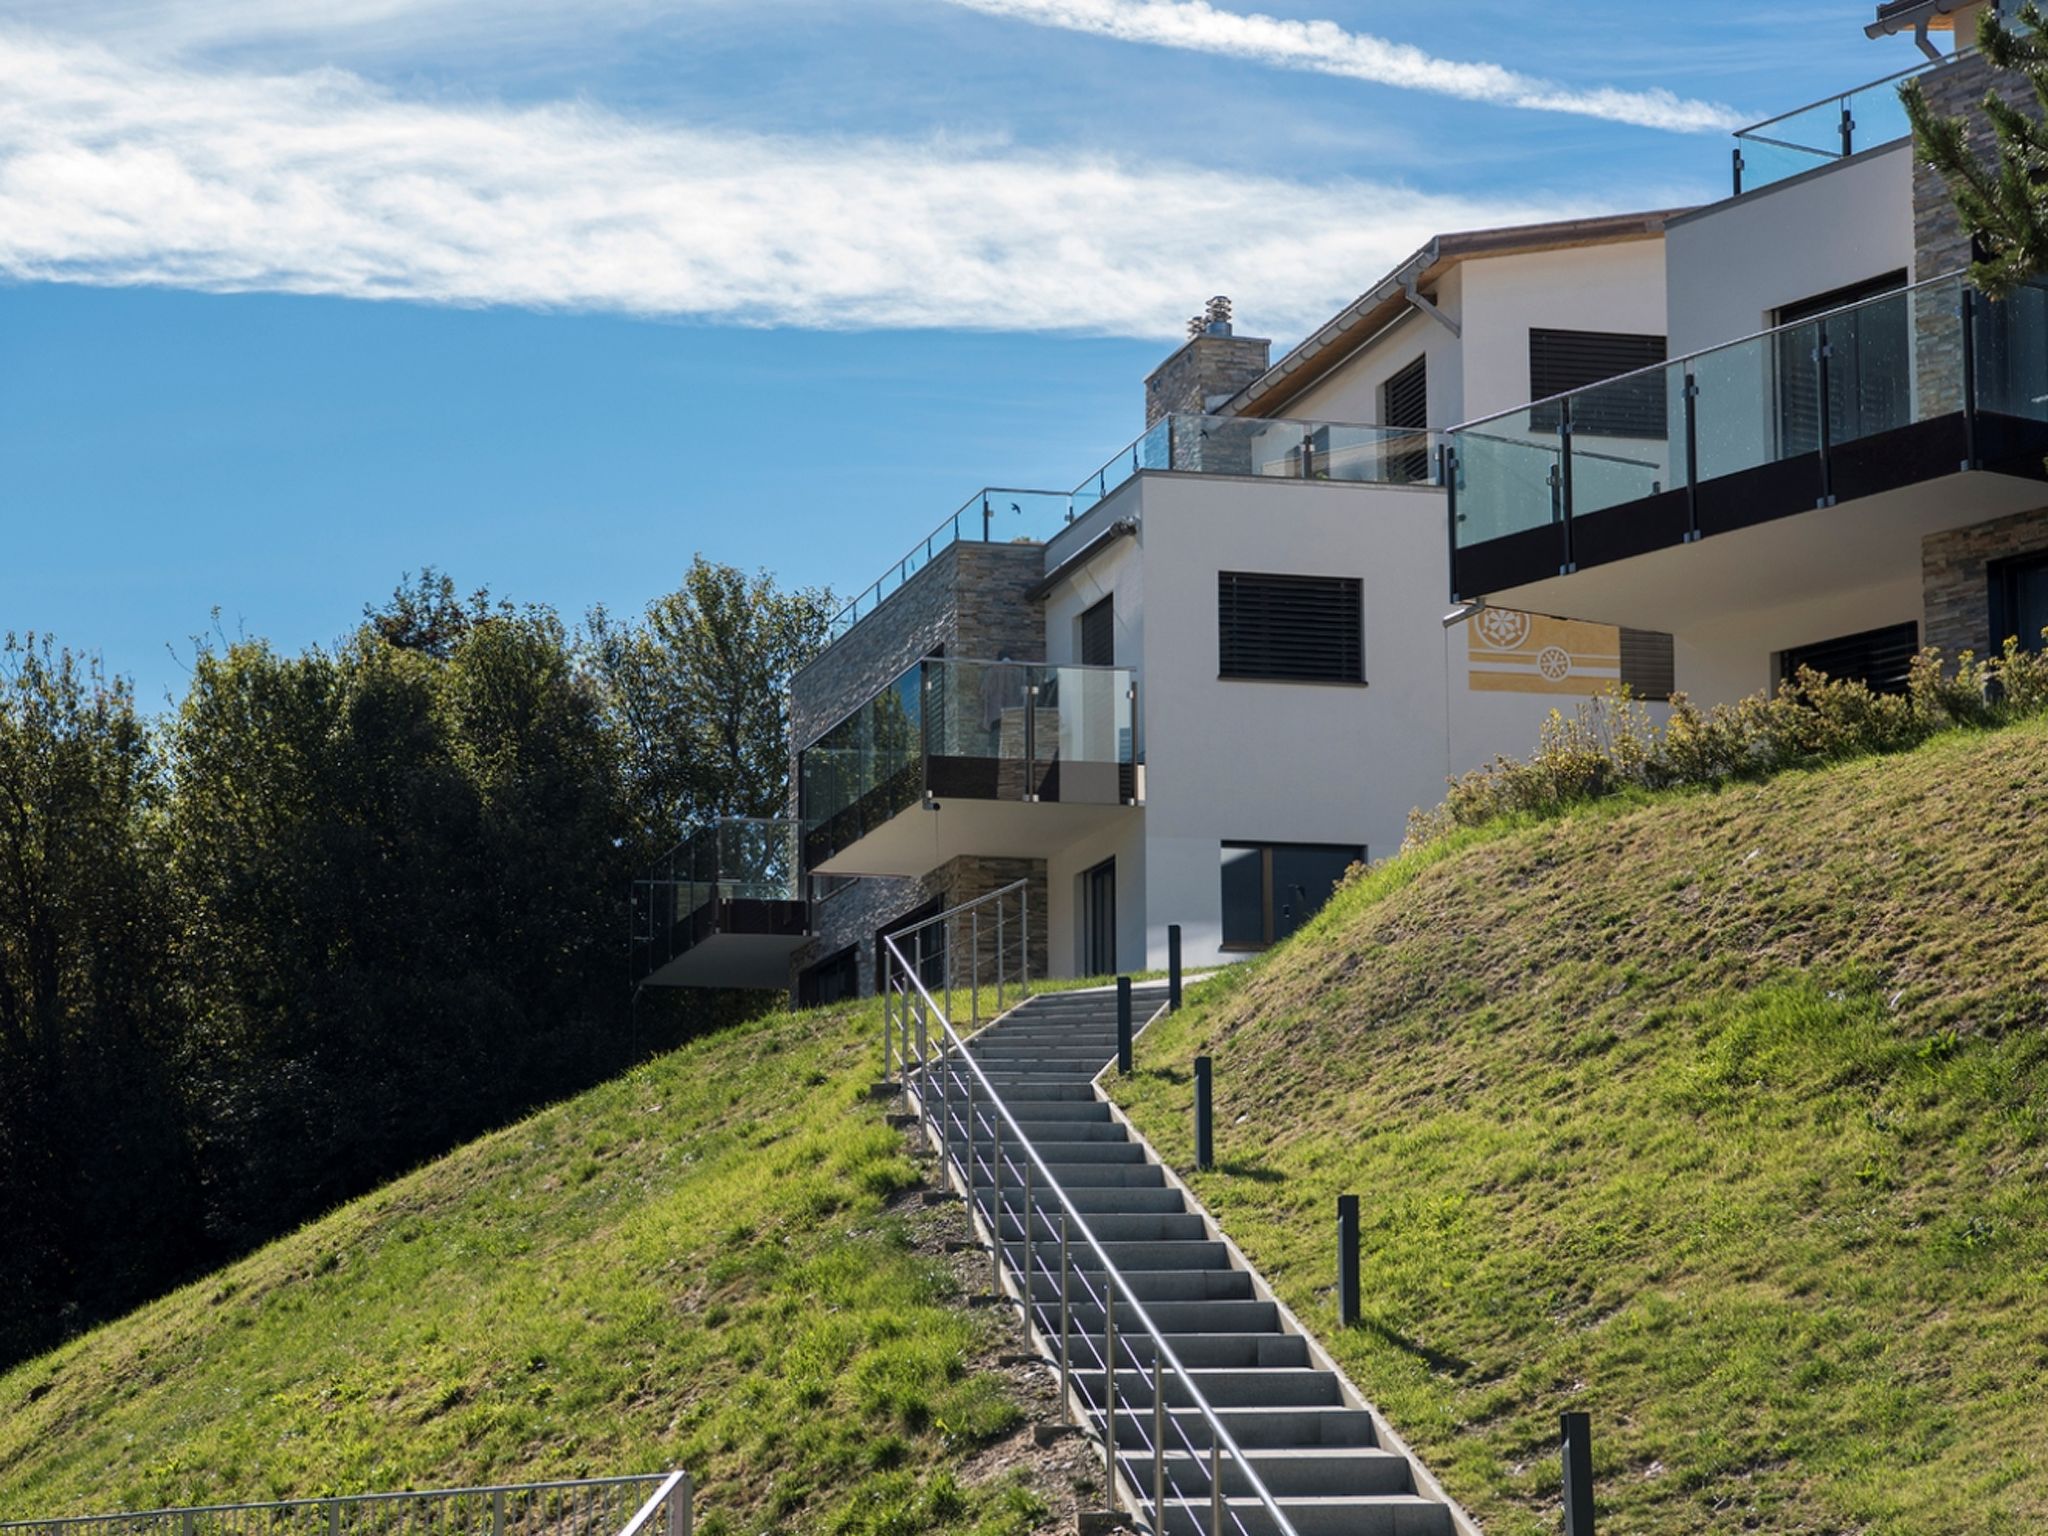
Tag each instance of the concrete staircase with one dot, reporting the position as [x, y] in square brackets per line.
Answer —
[1321, 1454]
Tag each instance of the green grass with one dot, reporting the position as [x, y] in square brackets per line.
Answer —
[1721, 1115]
[703, 1263]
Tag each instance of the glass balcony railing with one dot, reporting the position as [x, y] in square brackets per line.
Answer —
[1217, 445]
[973, 730]
[751, 859]
[1902, 387]
[1822, 131]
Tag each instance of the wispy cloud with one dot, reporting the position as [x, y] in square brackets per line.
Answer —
[118, 171]
[1325, 48]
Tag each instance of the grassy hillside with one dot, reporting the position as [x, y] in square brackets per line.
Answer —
[1722, 1116]
[710, 1262]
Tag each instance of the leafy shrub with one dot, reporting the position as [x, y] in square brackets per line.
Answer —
[1611, 744]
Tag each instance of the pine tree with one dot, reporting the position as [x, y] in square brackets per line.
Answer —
[2003, 203]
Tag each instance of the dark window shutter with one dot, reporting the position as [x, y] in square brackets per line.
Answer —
[1098, 634]
[1647, 668]
[1404, 402]
[1562, 361]
[1881, 659]
[1308, 629]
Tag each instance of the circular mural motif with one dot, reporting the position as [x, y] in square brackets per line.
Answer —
[1503, 628]
[1554, 662]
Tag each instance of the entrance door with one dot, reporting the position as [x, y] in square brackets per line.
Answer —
[1098, 920]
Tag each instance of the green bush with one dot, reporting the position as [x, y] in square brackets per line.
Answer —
[1611, 744]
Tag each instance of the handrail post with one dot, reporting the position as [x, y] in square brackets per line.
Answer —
[1024, 933]
[1691, 396]
[1030, 780]
[1027, 1271]
[946, 963]
[681, 1514]
[1108, 1390]
[996, 1205]
[1215, 1480]
[1967, 303]
[1564, 459]
[1821, 414]
[1158, 1443]
[974, 964]
[924, 1077]
[1066, 1328]
[1001, 960]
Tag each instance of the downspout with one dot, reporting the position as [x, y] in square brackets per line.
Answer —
[1415, 297]
[1924, 43]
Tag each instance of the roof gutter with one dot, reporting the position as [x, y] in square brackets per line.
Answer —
[1122, 528]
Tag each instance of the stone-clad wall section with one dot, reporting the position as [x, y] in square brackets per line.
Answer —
[971, 601]
[1208, 368]
[1956, 584]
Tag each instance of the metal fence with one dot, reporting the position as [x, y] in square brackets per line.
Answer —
[654, 1504]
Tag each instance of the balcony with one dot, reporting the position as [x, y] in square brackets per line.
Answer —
[1215, 445]
[1816, 452]
[1000, 759]
[722, 909]
[1822, 132]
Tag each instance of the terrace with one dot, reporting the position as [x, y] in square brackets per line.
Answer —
[1822, 132]
[1000, 759]
[723, 908]
[1812, 455]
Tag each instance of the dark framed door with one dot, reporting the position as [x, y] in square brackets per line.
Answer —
[1098, 920]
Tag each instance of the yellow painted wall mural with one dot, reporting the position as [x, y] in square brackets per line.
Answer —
[1510, 652]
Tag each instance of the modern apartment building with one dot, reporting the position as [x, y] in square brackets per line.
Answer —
[1700, 448]
[1199, 685]
[1840, 462]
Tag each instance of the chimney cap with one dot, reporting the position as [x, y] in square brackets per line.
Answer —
[1218, 315]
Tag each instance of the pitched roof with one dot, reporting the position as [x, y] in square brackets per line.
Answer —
[1365, 316]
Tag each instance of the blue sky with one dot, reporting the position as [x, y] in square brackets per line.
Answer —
[296, 297]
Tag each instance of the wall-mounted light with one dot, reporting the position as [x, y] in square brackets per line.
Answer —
[1464, 611]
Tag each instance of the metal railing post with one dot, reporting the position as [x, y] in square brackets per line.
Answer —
[1967, 304]
[946, 961]
[1066, 1329]
[995, 1224]
[1002, 960]
[1822, 415]
[974, 964]
[1158, 1443]
[1108, 1391]
[1215, 1483]
[1031, 742]
[681, 1509]
[1024, 934]
[1691, 395]
[1564, 459]
[924, 1079]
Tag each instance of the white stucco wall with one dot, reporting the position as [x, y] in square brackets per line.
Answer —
[1352, 391]
[1729, 268]
[1735, 654]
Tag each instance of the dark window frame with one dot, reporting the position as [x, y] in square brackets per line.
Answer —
[1268, 907]
[1404, 404]
[2001, 579]
[1252, 648]
[1902, 639]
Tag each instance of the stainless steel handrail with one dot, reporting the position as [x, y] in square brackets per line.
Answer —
[668, 1489]
[1072, 1221]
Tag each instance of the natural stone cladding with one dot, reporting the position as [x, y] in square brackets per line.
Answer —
[1956, 585]
[1208, 368]
[971, 601]
[965, 878]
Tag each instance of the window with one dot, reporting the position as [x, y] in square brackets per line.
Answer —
[1302, 629]
[1404, 402]
[2019, 601]
[1271, 889]
[1098, 635]
[1561, 361]
[831, 980]
[1870, 375]
[1878, 658]
[1098, 919]
[1647, 668]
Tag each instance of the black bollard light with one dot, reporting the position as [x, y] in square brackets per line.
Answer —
[1347, 1261]
[1123, 1025]
[1205, 1143]
[1173, 967]
[1575, 1438]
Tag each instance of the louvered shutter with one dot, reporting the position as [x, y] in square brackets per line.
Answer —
[1562, 361]
[1307, 629]
[1881, 659]
[1404, 402]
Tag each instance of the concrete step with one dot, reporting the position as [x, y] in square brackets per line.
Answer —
[1282, 1387]
[1148, 1285]
[1174, 1315]
[1164, 1228]
[1032, 1113]
[1217, 1351]
[1255, 1428]
[1388, 1514]
[1180, 1258]
[1317, 1471]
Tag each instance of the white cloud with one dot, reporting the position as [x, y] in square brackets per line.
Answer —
[1323, 47]
[114, 171]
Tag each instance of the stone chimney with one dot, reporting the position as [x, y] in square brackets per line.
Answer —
[1214, 365]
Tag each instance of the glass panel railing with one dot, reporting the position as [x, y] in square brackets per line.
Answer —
[1822, 132]
[1509, 474]
[1890, 362]
[866, 769]
[2012, 354]
[733, 859]
[978, 730]
[995, 514]
[1621, 440]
